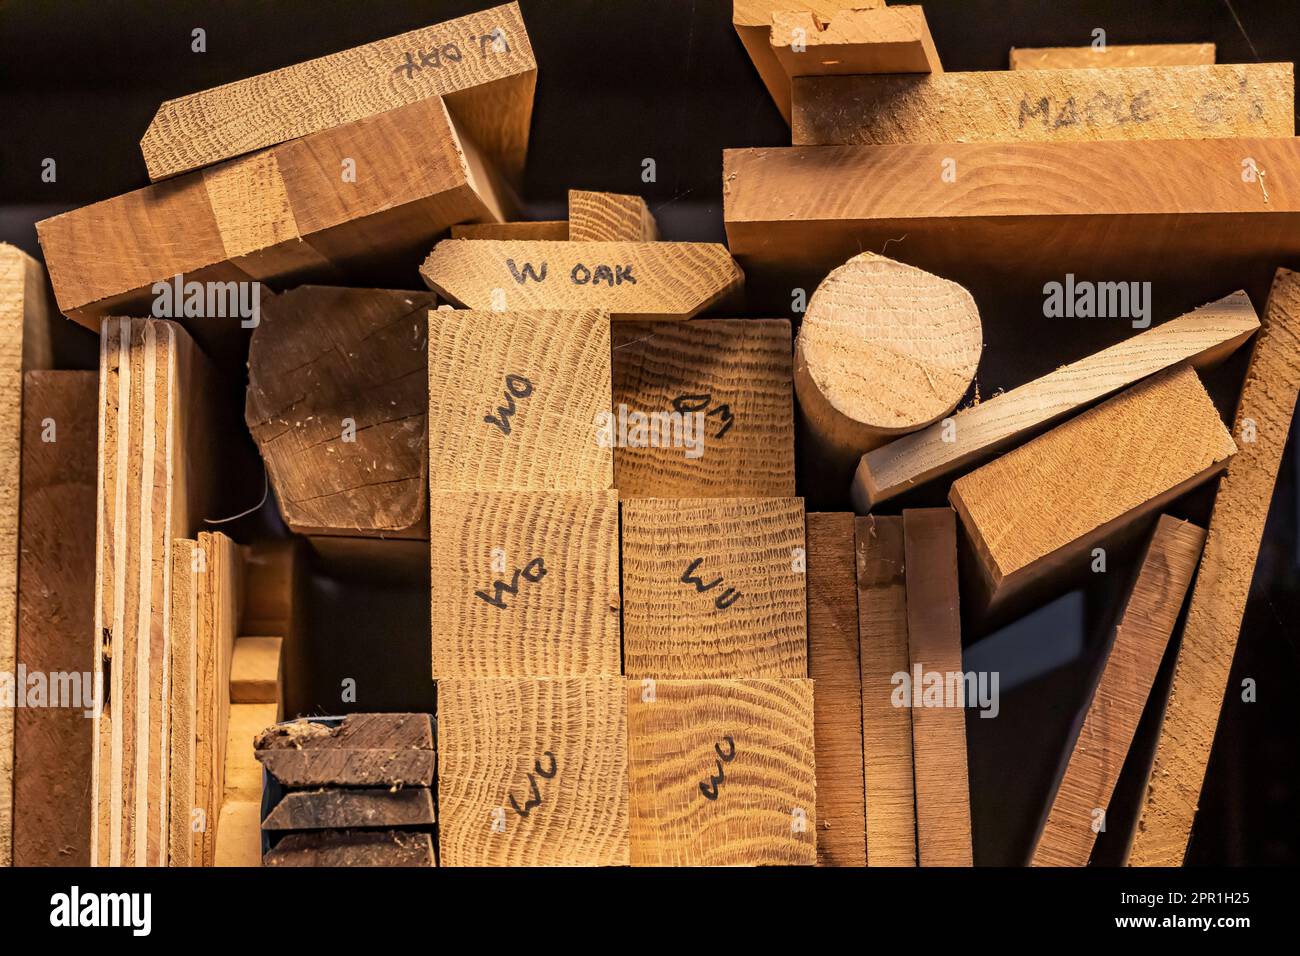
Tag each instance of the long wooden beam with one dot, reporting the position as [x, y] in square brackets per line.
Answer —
[1118, 55]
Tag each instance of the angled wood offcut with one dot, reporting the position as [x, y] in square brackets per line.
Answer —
[349, 848]
[482, 63]
[725, 384]
[338, 808]
[524, 584]
[363, 750]
[714, 588]
[1039, 510]
[288, 215]
[515, 401]
[1202, 337]
[1200, 683]
[533, 772]
[336, 402]
[854, 42]
[610, 217]
[629, 280]
[1172, 102]
[722, 772]
[1093, 58]
[1142, 631]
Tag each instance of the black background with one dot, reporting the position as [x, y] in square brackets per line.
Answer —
[619, 81]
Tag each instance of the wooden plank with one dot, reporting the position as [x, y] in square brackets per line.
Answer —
[1032, 211]
[552, 229]
[524, 584]
[390, 848]
[1091, 57]
[514, 399]
[834, 664]
[610, 217]
[364, 750]
[240, 829]
[245, 725]
[340, 808]
[1040, 509]
[490, 84]
[854, 42]
[753, 22]
[1079, 804]
[1202, 337]
[255, 670]
[943, 834]
[337, 401]
[532, 772]
[184, 847]
[56, 598]
[731, 381]
[714, 588]
[1058, 106]
[1268, 400]
[722, 772]
[886, 728]
[629, 280]
[281, 217]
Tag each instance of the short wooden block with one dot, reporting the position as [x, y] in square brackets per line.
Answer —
[340, 808]
[525, 584]
[722, 772]
[730, 380]
[348, 848]
[714, 588]
[892, 39]
[1041, 508]
[533, 772]
[515, 400]
[255, 670]
[239, 840]
[610, 217]
[365, 750]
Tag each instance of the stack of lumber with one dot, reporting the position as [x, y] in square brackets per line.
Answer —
[350, 792]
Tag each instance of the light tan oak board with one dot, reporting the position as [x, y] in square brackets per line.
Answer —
[1104, 57]
[610, 217]
[854, 42]
[552, 229]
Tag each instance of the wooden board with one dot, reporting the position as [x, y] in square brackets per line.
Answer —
[255, 670]
[722, 772]
[834, 665]
[1200, 682]
[56, 599]
[1202, 337]
[1058, 106]
[610, 217]
[1029, 211]
[514, 400]
[854, 42]
[886, 728]
[336, 402]
[1142, 630]
[282, 217]
[240, 828]
[245, 724]
[629, 280]
[342, 808]
[365, 750]
[489, 84]
[943, 836]
[524, 584]
[533, 772]
[1039, 510]
[1090, 57]
[553, 229]
[714, 588]
[731, 381]
[388, 848]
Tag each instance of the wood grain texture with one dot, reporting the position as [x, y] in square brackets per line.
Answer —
[445, 59]
[629, 280]
[610, 217]
[835, 667]
[737, 375]
[525, 584]
[943, 820]
[56, 599]
[1041, 508]
[714, 588]
[343, 808]
[854, 42]
[240, 827]
[552, 229]
[337, 401]
[1200, 683]
[748, 744]
[184, 847]
[546, 760]
[1058, 106]
[364, 750]
[1202, 337]
[255, 670]
[514, 401]
[1089, 57]
[1142, 631]
[348, 848]
[1032, 211]
[243, 776]
[281, 217]
[886, 728]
